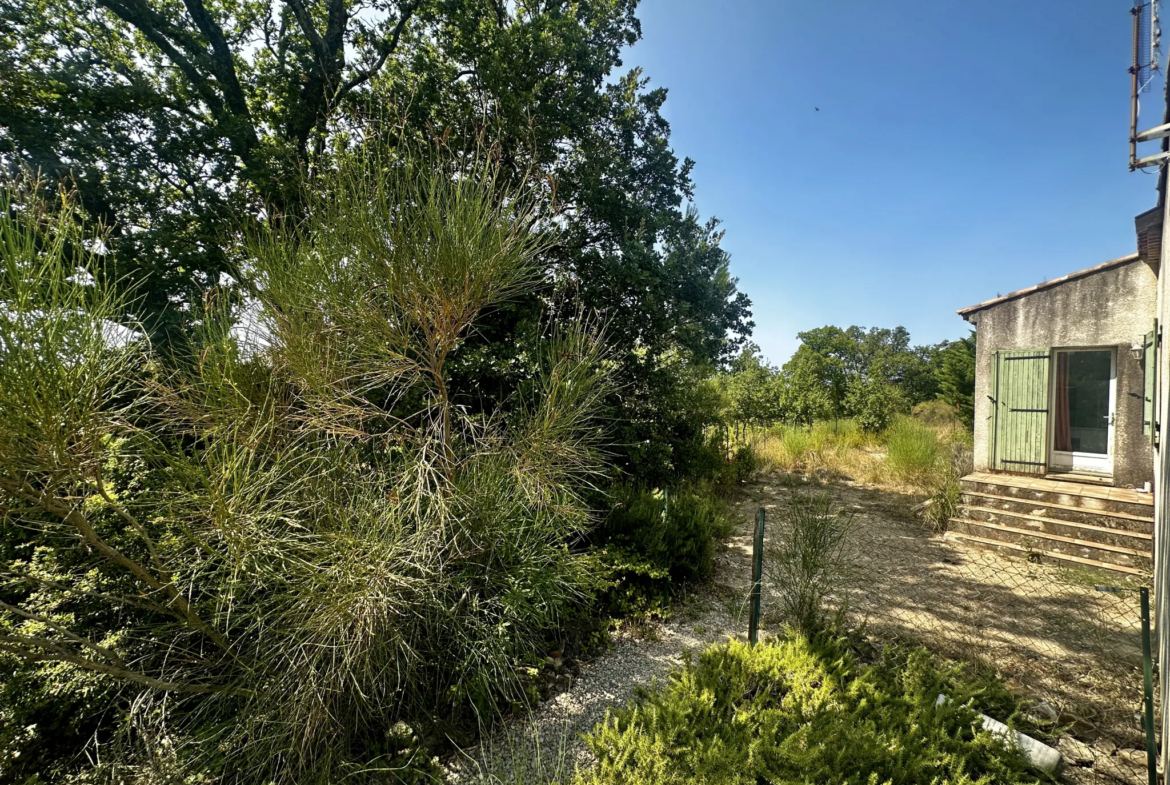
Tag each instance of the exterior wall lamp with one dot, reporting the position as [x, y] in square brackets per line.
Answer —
[1137, 350]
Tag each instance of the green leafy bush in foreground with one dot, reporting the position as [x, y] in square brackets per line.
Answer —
[333, 567]
[792, 711]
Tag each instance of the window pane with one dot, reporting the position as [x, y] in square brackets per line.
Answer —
[1082, 401]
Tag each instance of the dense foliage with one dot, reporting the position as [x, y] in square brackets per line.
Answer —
[956, 377]
[177, 121]
[288, 474]
[796, 711]
[867, 375]
[657, 542]
[293, 555]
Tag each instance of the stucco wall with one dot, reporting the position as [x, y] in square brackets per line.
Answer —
[1114, 307]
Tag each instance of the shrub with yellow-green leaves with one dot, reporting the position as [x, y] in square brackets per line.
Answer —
[795, 711]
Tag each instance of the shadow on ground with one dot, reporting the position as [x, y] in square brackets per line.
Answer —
[1070, 639]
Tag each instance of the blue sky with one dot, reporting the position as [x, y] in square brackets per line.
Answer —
[962, 149]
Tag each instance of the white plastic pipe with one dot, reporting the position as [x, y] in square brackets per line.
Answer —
[1039, 754]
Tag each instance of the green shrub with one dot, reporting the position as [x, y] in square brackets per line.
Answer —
[874, 403]
[809, 555]
[741, 468]
[912, 450]
[945, 487]
[336, 564]
[791, 711]
[655, 541]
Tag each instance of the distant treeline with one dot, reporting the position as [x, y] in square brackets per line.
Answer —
[867, 374]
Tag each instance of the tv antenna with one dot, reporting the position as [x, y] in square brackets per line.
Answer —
[1147, 56]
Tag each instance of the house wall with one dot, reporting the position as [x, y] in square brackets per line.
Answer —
[1111, 308]
[1161, 505]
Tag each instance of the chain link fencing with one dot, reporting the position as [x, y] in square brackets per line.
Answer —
[1069, 641]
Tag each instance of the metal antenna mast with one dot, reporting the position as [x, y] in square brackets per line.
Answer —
[1147, 42]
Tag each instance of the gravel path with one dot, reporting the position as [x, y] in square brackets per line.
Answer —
[546, 745]
[1047, 635]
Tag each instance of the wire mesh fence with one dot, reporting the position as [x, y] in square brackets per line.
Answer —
[1067, 640]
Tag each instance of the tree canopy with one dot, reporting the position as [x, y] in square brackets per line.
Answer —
[956, 377]
[868, 374]
[179, 122]
[171, 118]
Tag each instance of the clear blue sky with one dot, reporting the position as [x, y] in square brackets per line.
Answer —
[962, 149]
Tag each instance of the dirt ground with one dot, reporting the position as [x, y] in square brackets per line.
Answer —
[1069, 639]
[1053, 634]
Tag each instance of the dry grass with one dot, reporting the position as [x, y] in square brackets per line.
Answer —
[826, 451]
[911, 455]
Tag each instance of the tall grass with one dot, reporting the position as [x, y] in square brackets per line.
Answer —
[828, 450]
[913, 454]
[912, 451]
[945, 487]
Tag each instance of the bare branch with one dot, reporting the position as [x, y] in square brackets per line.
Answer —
[387, 49]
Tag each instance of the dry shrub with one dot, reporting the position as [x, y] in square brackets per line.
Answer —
[808, 558]
[945, 486]
[937, 414]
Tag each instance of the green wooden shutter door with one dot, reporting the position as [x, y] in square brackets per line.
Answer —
[1149, 399]
[1021, 416]
[992, 418]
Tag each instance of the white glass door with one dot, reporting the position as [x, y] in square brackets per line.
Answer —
[1083, 406]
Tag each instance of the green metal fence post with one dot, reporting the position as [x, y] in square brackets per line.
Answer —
[1148, 675]
[757, 578]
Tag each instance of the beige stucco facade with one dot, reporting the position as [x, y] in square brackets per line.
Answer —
[1109, 306]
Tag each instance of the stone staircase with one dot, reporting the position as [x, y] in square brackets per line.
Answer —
[1057, 522]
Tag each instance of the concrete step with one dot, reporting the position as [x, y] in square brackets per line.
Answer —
[1092, 532]
[1105, 518]
[1021, 550]
[1076, 496]
[1033, 540]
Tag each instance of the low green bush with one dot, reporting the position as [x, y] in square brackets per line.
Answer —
[655, 541]
[874, 404]
[946, 488]
[912, 450]
[793, 711]
[740, 468]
